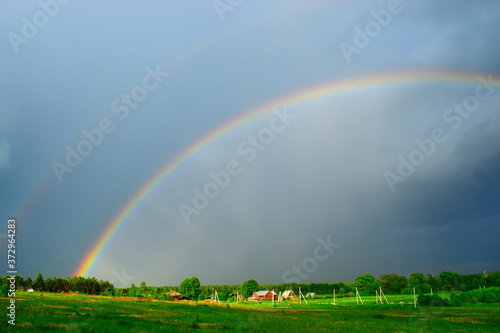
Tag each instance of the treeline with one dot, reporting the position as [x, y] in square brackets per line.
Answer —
[190, 288]
[389, 283]
[424, 284]
[482, 295]
[77, 284]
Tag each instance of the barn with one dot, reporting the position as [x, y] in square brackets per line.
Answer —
[265, 294]
[288, 293]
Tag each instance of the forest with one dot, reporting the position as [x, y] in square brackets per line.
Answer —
[192, 289]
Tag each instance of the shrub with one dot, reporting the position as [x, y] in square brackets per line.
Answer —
[4, 290]
[437, 300]
[422, 288]
[424, 299]
[472, 296]
[489, 297]
[484, 295]
[433, 300]
[455, 300]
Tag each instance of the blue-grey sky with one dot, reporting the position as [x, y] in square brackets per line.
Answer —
[147, 80]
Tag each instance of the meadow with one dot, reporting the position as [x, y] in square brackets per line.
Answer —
[48, 312]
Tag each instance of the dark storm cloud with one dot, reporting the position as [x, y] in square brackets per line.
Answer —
[322, 175]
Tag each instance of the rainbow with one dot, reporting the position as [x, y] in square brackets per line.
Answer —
[330, 89]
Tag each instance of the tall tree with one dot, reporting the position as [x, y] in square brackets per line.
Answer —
[49, 285]
[248, 288]
[224, 293]
[19, 281]
[392, 283]
[132, 292]
[450, 280]
[28, 283]
[366, 283]
[142, 288]
[419, 282]
[106, 286]
[39, 284]
[416, 279]
[433, 282]
[190, 288]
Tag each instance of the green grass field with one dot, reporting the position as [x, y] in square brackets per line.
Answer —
[81, 313]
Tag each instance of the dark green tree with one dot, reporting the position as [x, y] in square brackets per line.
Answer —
[434, 283]
[416, 279]
[366, 284]
[106, 286]
[419, 282]
[60, 285]
[143, 288]
[49, 285]
[77, 283]
[132, 292]
[190, 288]
[392, 283]
[224, 293]
[248, 288]
[39, 284]
[28, 283]
[19, 280]
[4, 290]
[450, 280]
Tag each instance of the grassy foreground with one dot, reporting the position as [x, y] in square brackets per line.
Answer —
[81, 313]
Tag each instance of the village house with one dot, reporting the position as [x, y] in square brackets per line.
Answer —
[265, 294]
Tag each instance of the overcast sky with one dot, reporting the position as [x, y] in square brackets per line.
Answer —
[148, 80]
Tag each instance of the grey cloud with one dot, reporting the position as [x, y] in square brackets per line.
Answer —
[4, 154]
